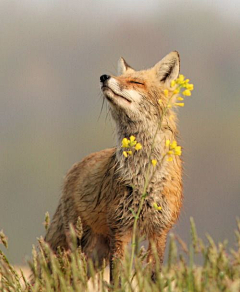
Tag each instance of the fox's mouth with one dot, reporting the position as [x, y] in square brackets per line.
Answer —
[110, 94]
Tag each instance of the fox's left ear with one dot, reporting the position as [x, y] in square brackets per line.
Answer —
[123, 67]
[168, 68]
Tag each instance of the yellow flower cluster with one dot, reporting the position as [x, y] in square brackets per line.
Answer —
[173, 149]
[180, 84]
[130, 143]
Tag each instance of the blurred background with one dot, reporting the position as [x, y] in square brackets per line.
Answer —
[52, 54]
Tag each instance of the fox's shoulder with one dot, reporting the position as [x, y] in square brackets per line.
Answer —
[93, 163]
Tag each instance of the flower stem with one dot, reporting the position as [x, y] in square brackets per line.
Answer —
[146, 183]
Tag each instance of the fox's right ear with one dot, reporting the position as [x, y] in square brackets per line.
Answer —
[123, 67]
[168, 68]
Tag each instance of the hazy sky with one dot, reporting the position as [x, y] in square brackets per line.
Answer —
[136, 8]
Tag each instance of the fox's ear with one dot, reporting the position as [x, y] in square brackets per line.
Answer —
[123, 67]
[168, 68]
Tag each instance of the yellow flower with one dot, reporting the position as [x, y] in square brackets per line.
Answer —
[173, 144]
[169, 106]
[187, 92]
[180, 79]
[125, 143]
[156, 207]
[160, 101]
[138, 146]
[125, 154]
[167, 143]
[180, 98]
[165, 91]
[170, 152]
[154, 162]
[190, 86]
[176, 91]
[129, 152]
[132, 142]
[178, 150]
[170, 158]
[173, 82]
[179, 104]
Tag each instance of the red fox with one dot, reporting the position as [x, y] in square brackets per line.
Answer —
[106, 187]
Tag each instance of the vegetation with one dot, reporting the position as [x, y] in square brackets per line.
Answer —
[220, 270]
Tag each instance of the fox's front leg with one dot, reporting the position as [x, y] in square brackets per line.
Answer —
[116, 254]
[156, 249]
[117, 249]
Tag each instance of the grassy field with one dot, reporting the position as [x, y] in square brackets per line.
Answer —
[220, 269]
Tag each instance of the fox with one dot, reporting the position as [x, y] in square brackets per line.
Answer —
[105, 188]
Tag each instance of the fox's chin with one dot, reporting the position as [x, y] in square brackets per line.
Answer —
[113, 97]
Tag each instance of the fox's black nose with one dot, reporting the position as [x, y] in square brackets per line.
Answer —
[104, 77]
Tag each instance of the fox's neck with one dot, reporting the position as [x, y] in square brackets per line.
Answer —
[134, 168]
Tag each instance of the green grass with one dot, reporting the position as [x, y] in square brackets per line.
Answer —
[220, 270]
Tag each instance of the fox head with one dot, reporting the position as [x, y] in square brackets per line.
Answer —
[133, 95]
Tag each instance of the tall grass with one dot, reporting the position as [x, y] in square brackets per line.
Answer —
[220, 270]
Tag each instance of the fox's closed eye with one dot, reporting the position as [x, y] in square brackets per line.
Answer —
[136, 82]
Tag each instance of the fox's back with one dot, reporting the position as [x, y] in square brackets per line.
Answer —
[87, 190]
